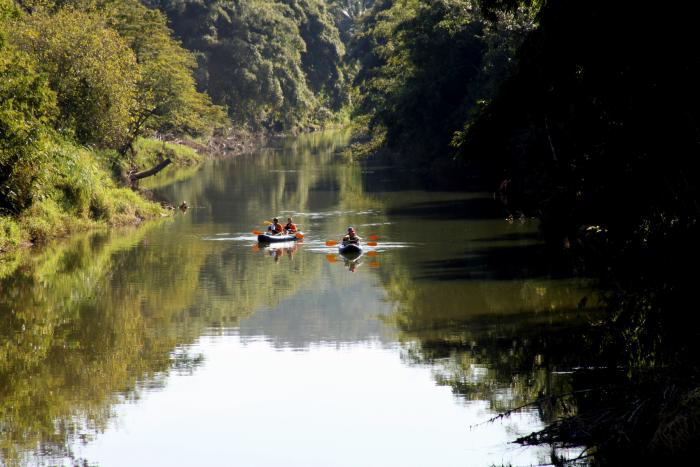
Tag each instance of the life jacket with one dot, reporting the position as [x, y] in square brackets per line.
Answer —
[275, 228]
[291, 227]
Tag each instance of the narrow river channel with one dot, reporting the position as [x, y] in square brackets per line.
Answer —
[183, 342]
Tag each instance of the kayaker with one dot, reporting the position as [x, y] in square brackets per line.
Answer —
[291, 227]
[275, 228]
[351, 237]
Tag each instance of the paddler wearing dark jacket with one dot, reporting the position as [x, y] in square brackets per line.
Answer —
[351, 237]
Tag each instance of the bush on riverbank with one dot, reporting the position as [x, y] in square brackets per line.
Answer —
[150, 151]
[76, 193]
[9, 234]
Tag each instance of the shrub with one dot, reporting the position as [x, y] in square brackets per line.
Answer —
[9, 234]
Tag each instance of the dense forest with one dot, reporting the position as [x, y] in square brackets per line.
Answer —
[87, 84]
[583, 114]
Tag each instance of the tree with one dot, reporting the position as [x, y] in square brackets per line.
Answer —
[90, 67]
[273, 63]
[167, 98]
[27, 109]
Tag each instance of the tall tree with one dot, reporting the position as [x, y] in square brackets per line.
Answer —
[168, 100]
[91, 68]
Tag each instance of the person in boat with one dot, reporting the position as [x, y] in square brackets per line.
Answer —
[290, 227]
[275, 228]
[351, 237]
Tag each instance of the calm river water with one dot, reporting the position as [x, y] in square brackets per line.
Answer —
[183, 342]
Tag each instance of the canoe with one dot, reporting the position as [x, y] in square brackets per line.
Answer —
[265, 238]
[349, 248]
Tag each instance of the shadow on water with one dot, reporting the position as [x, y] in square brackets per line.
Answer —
[473, 208]
[509, 237]
[503, 263]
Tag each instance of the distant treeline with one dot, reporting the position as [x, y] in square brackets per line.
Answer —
[275, 64]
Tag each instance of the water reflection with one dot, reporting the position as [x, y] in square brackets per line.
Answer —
[451, 318]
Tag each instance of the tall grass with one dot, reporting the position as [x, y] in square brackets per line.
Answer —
[77, 192]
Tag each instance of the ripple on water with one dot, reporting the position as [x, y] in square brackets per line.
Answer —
[237, 238]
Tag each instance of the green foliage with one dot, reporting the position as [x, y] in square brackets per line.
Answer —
[9, 233]
[150, 151]
[27, 107]
[168, 101]
[78, 194]
[274, 64]
[324, 51]
[347, 13]
[424, 66]
[90, 67]
[93, 72]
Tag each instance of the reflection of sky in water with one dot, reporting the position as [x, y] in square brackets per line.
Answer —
[352, 405]
[338, 308]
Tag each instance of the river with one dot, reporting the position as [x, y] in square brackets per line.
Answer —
[183, 342]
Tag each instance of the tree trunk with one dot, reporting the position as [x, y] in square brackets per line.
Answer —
[152, 171]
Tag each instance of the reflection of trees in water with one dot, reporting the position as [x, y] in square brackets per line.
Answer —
[73, 340]
[504, 341]
[101, 317]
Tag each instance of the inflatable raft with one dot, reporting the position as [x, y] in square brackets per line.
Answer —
[265, 238]
[350, 249]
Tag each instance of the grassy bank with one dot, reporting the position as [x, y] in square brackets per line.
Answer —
[81, 190]
[85, 189]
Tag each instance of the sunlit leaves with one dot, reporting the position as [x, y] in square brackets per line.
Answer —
[27, 106]
[168, 100]
[91, 68]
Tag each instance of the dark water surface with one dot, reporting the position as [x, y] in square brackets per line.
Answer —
[183, 342]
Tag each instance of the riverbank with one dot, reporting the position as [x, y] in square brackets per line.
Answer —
[89, 189]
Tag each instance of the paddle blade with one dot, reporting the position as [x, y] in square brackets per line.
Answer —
[372, 254]
[299, 235]
[267, 222]
[257, 232]
[331, 243]
[373, 237]
[375, 264]
[371, 243]
[331, 258]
